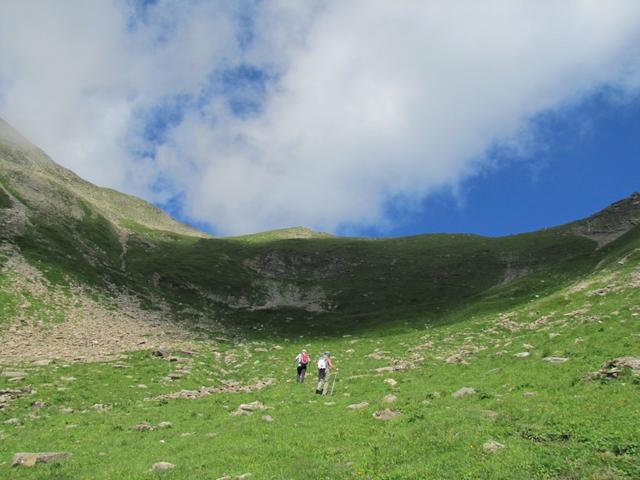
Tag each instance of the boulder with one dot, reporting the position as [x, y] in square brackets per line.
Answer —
[25, 459]
[629, 362]
[611, 369]
[463, 392]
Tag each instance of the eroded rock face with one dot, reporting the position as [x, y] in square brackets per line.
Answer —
[611, 223]
[25, 459]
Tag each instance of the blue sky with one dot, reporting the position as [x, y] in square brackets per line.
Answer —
[356, 117]
[590, 159]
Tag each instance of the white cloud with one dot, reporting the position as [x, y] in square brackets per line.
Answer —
[76, 77]
[373, 99]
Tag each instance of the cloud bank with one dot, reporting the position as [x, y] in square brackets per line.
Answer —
[266, 114]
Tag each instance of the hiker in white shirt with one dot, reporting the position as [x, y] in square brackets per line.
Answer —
[324, 368]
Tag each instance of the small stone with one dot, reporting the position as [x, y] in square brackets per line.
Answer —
[384, 369]
[141, 385]
[329, 404]
[11, 374]
[12, 421]
[390, 381]
[389, 398]
[162, 466]
[42, 363]
[244, 476]
[555, 359]
[267, 418]
[250, 407]
[492, 446]
[463, 392]
[165, 425]
[99, 407]
[358, 406]
[66, 410]
[39, 404]
[522, 354]
[144, 427]
[529, 394]
[241, 413]
[386, 414]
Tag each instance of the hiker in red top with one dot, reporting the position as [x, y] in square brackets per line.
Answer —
[302, 360]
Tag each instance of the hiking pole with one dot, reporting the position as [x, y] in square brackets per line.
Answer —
[334, 382]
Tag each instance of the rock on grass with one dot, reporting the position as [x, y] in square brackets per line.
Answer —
[556, 359]
[492, 446]
[26, 459]
[162, 466]
[463, 392]
[387, 414]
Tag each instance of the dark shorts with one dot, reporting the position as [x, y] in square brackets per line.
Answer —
[322, 373]
[302, 367]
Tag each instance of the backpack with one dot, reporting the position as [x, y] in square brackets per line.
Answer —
[322, 363]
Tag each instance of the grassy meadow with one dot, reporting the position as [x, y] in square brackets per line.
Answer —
[551, 420]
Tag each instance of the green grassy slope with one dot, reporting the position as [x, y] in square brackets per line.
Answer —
[435, 312]
[552, 420]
